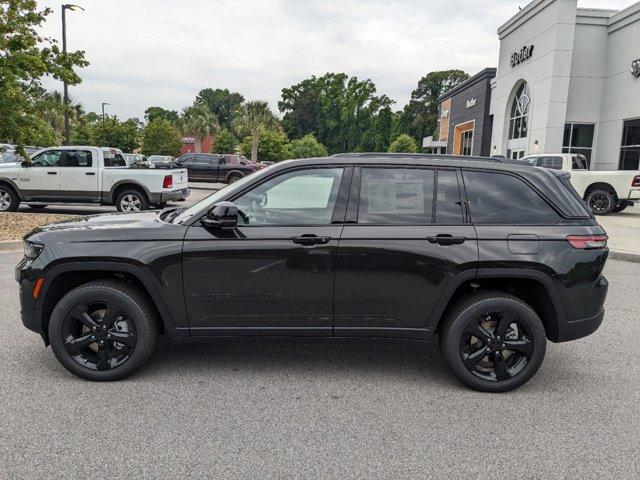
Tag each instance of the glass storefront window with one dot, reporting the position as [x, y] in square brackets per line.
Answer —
[467, 143]
[578, 138]
[630, 148]
[518, 123]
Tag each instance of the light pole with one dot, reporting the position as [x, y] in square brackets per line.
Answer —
[67, 128]
[102, 141]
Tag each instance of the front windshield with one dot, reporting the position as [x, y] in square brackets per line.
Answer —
[204, 204]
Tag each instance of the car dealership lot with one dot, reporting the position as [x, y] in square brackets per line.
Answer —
[301, 409]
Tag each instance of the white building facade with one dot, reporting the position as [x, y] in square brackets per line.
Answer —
[568, 80]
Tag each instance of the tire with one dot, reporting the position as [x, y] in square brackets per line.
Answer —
[9, 200]
[601, 202]
[477, 364]
[234, 177]
[131, 200]
[620, 207]
[124, 300]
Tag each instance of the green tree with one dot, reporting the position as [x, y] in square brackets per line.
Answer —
[254, 119]
[161, 137]
[225, 142]
[419, 117]
[403, 144]
[152, 113]
[26, 57]
[307, 147]
[199, 122]
[273, 146]
[221, 103]
[337, 108]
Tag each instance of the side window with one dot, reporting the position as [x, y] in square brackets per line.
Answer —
[205, 160]
[552, 162]
[448, 202]
[187, 159]
[579, 162]
[400, 196]
[505, 199]
[303, 197]
[77, 158]
[50, 158]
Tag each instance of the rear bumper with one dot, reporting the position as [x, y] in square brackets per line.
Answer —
[634, 195]
[172, 196]
[571, 330]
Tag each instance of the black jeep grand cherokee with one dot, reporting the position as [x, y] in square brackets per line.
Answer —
[493, 257]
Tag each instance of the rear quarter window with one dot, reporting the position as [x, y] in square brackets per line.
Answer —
[500, 198]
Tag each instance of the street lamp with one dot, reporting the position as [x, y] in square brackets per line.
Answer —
[67, 129]
[103, 104]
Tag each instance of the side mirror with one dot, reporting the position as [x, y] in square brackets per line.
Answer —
[221, 215]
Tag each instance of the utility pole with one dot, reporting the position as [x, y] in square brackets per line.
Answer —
[67, 127]
[102, 135]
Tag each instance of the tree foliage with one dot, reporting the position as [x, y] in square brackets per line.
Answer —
[198, 122]
[25, 58]
[90, 130]
[307, 147]
[161, 137]
[273, 146]
[225, 142]
[403, 144]
[254, 119]
[419, 117]
[221, 103]
[337, 108]
[151, 113]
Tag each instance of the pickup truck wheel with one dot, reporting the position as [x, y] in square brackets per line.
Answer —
[234, 177]
[601, 202]
[620, 207]
[493, 341]
[9, 201]
[103, 330]
[131, 201]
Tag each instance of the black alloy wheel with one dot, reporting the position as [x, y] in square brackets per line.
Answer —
[601, 202]
[103, 330]
[493, 341]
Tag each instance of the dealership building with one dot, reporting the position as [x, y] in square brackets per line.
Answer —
[568, 80]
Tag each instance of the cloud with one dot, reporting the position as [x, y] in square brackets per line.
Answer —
[162, 52]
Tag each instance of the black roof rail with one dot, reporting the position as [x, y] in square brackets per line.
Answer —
[443, 156]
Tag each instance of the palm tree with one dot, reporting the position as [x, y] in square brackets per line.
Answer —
[198, 121]
[254, 118]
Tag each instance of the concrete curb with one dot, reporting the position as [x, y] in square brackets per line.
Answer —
[624, 256]
[212, 190]
[11, 246]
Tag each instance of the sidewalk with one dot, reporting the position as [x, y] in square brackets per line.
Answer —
[624, 233]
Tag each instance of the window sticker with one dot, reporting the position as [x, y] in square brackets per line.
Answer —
[396, 196]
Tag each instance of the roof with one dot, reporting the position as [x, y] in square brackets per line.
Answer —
[487, 73]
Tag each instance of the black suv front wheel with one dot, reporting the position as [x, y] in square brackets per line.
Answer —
[103, 330]
[493, 341]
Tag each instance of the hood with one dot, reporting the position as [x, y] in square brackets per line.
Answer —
[107, 227]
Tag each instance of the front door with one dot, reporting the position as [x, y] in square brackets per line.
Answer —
[274, 273]
[79, 176]
[406, 236]
[40, 181]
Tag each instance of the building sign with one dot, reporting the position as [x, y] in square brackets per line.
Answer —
[188, 140]
[525, 53]
[445, 113]
[471, 102]
[635, 68]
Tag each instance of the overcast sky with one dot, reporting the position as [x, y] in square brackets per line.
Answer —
[163, 52]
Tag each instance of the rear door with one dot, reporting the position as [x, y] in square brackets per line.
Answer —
[406, 236]
[41, 181]
[79, 176]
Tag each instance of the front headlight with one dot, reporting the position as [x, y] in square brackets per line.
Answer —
[32, 250]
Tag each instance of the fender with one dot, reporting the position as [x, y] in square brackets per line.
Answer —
[13, 185]
[109, 197]
[171, 330]
[488, 273]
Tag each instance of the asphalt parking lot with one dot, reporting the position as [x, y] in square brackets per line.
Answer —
[301, 409]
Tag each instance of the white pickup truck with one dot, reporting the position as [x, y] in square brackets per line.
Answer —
[604, 191]
[77, 174]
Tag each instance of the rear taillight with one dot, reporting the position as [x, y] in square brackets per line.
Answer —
[587, 242]
[168, 181]
[636, 181]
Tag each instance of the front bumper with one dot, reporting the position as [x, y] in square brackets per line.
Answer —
[26, 277]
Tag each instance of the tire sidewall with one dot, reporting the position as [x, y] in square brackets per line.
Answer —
[144, 204]
[525, 313]
[144, 337]
[15, 200]
[612, 201]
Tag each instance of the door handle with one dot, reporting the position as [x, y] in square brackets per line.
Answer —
[89, 173]
[310, 239]
[446, 239]
[52, 173]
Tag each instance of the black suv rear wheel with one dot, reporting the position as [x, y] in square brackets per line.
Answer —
[103, 330]
[493, 342]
